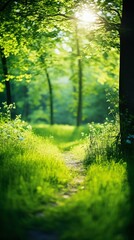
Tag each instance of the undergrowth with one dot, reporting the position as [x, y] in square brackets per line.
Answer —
[103, 143]
[33, 178]
[99, 211]
[31, 173]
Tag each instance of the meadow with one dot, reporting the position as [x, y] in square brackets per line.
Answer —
[61, 182]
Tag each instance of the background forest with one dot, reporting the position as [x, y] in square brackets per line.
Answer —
[47, 46]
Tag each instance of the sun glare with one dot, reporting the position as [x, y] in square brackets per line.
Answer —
[86, 16]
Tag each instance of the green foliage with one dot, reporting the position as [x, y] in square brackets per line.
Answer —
[11, 131]
[98, 212]
[32, 172]
[32, 42]
[35, 180]
[103, 142]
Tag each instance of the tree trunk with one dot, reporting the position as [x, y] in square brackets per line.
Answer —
[50, 97]
[126, 97]
[5, 73]
[80, 78]
[126, 86]
[26, 106]
[5, 5]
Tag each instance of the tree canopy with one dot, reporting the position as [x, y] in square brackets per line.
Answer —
[37, 36]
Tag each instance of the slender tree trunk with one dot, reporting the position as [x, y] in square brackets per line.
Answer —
[50, 97]
[5, 73]
[126, 96]
[80, 81]
[26, 106]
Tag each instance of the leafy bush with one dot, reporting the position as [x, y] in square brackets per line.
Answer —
[12, 129]
[103, 142]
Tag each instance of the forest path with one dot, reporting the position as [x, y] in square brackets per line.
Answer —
[76, 166]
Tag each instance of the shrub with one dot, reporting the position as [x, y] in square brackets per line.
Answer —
[103, 142]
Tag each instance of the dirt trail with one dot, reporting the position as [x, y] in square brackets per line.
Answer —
[75, 166]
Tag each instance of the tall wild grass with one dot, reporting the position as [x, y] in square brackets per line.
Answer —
[34, 181]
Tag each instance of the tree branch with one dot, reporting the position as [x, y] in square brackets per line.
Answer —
[118, 13]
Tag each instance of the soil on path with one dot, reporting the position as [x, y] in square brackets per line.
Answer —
[76, 166]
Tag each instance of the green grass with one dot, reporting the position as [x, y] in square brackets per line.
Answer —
[98, 212]
[65, 136]
[32, 172]
[34, 181]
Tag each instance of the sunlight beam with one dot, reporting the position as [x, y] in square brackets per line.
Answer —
[86, 16]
